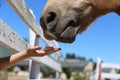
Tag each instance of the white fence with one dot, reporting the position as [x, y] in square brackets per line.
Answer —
[99, 75]
[11, 40]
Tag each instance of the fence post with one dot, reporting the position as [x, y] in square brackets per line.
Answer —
[34, 67]
[98, 69]
[58, 56]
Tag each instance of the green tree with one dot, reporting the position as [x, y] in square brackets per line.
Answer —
[81, 58]
[77, 76]
[70, 56]
[67, 71]
[118, 71]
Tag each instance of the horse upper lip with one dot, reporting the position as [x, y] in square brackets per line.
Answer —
[51, 34]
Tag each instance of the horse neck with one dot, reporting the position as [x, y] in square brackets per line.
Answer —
[107, 5]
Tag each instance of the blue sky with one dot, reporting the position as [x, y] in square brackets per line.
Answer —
[102, 39]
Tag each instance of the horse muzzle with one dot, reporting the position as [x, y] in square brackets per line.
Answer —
[57, 27]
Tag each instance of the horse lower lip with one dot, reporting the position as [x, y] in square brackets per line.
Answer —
[68, 34]
[65, 40]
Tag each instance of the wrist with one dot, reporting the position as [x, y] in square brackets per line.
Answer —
[26, 53]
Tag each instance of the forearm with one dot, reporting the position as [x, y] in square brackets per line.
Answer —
[12, 60]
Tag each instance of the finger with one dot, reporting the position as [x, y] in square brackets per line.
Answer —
[48, 48]
[37, 47]
[52, 51]
[47, 52]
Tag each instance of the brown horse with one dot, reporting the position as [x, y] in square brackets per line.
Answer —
[62, 20]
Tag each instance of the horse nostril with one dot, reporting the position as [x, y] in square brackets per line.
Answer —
[71, 23]
[49, 20]
[51, 17]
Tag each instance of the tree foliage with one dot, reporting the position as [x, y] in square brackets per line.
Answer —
[73, 56]
[67, 71]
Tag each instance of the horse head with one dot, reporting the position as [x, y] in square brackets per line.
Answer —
[62, 20]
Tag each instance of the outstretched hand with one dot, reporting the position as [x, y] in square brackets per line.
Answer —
[35, 51]
[8, 61]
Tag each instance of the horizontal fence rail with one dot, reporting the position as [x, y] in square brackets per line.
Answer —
[23, 11]
[10, 39]
[110, 76]
[109, 65]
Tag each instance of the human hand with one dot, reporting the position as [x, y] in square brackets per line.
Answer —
[35, 51]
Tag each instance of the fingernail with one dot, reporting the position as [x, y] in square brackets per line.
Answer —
[59, 48]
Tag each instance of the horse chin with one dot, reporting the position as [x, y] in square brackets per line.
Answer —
[65, 40]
